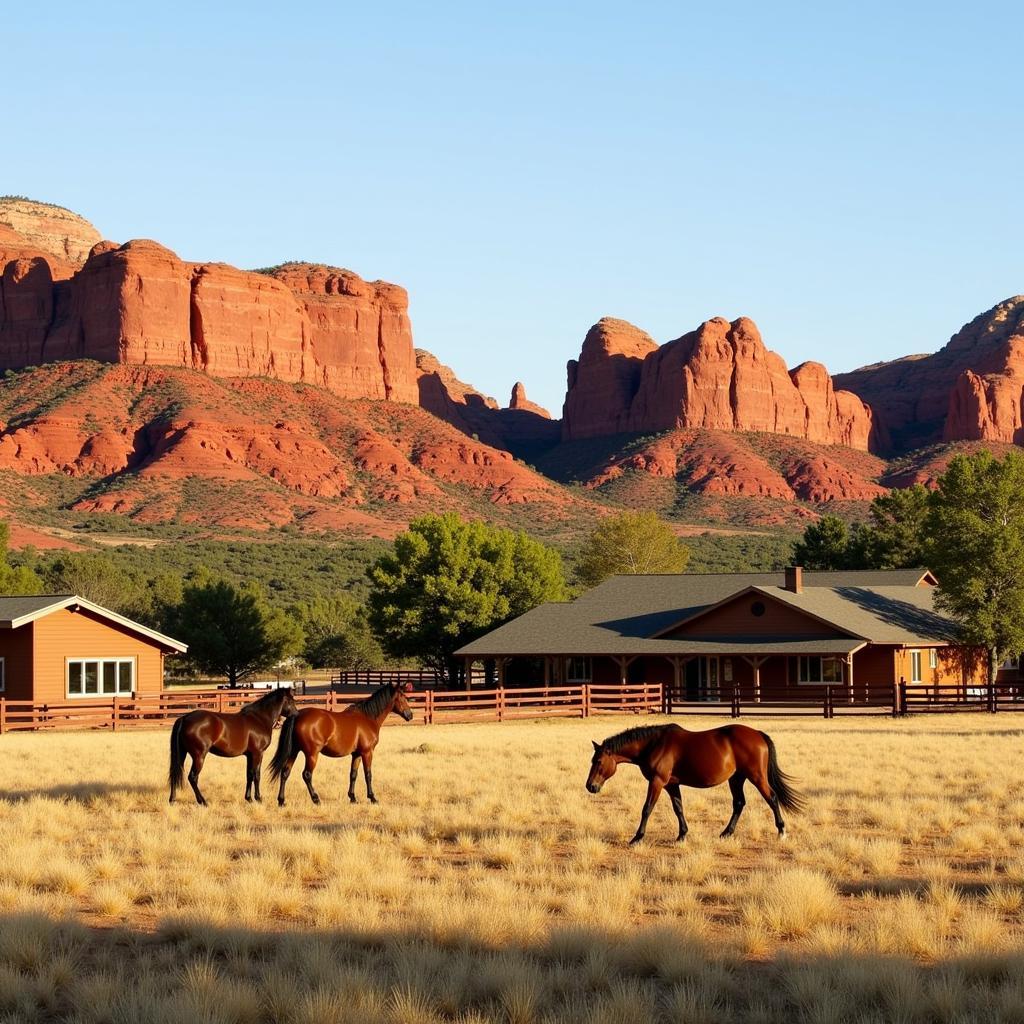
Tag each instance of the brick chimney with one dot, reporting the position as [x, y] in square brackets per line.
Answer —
[795, 579]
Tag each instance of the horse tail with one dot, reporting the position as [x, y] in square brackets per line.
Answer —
[285, 747]
[176, 774]
[781, 783]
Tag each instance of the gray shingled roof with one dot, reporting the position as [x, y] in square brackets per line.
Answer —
[624, 614]
[14, 608]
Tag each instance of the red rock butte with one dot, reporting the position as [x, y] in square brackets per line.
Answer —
[718, 377]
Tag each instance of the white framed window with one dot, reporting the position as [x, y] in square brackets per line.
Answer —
[1011, 663]
[580, 671]
[100, 677]
[915, 666]
[933, 658]
[814, 669]
[3, 674]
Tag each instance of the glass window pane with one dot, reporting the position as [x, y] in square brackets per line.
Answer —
[92, 676]
[74, 677]
[110, 677]
[833, 672]
[125, 681]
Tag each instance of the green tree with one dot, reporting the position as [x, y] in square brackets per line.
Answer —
[825, 545]
[448, 582]
[231, 631]
[895, 536]
[630, 543]
[18, 580]
[337, 634]
[98, 578]
[975, 528]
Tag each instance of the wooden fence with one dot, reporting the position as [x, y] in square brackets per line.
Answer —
[429, 706]
[421, 678]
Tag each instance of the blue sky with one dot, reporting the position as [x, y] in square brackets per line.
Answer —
[848, 175]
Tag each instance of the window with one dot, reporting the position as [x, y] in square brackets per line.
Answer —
[1011, 663]
[579, 670]
[915, 666]
[757, 608]
[97, 677]
[933, 658]
[814, 669]
[3, 674]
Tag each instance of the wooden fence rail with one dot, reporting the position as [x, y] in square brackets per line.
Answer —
[429, 706]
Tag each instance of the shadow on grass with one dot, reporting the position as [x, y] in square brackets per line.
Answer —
[77, 792]
[187, 970]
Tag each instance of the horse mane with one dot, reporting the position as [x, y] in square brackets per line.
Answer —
[374, 704]
[641, 732]
[261, 702]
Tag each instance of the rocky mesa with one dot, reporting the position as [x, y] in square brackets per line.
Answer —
[970, 390]
[719, 377]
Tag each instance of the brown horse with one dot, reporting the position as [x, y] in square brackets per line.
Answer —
[670, 757]
[353, 731]
[227, 735]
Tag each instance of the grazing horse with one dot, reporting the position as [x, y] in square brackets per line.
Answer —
[670, 757]
[353, 731]
[227, 735]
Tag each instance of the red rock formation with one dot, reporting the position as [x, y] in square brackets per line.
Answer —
[519, 401]
[140, 303]
[604, 380]
[719, 377]
[161, 443]
[48, 229]
[518, 429]
[972, 389]
[360, 336]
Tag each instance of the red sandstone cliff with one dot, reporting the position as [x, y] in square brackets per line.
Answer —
[972, 389]
[45, 229]
[719, 377]
[140, 303]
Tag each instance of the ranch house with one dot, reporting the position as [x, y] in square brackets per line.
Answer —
[61, 648]
[702, 636]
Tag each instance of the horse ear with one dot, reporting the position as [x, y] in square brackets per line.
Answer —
[597, 746]
[407, 688]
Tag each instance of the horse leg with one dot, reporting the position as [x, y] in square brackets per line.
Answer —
[771, 800]
[654, 788]
[285, 772]
[257, 772]
[248, 776]
[677, 805]
[353, 772]
[368, 775]
[739, 801]
[193, 775]
[307, 775]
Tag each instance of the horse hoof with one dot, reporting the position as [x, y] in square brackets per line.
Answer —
[248, 799]
[280, 803]
[782, 835]
[636, 840]
[727, 834]
[372, 799]
[352, 800]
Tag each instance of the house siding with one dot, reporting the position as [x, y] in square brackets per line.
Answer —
[736, 619]
[64, 634]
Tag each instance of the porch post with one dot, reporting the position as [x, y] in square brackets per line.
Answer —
[547, 670]
[849, 680]
[501, 672]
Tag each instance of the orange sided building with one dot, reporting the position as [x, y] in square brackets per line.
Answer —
[65, 648]
[703, 637]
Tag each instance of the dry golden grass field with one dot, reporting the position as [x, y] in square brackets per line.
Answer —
[489, 886]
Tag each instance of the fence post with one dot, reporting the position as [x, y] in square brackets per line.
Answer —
[902, 687]
[113, 714]
[895, 700]
[499, 705]
[3, 716]
[586, 700]
[735, 711]
[826, 701]
[428, 710]
[992, 696]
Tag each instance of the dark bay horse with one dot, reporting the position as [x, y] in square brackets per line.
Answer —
[355, 731]
[669, 757]
[227, 735]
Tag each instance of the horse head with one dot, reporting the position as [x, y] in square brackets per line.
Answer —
[288, 705]
[402, 706]
[602, 768]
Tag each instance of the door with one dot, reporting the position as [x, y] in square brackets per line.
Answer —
[700, 679]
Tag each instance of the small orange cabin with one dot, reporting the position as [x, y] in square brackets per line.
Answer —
[65, 648]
